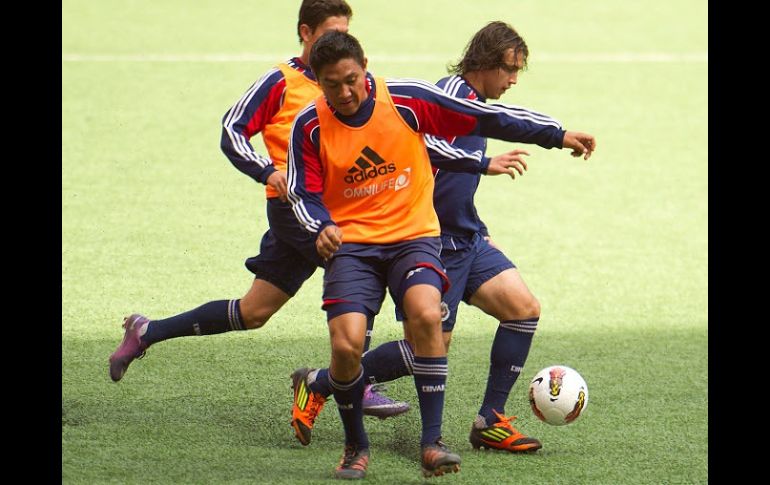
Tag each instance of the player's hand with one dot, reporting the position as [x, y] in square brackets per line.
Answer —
[329, 241]
[580, 143]
[277, 180]
[509, 163]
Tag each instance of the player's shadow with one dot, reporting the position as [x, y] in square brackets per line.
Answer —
[399, 435]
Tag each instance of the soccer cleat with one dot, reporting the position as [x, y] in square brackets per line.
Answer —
[130, 348]
[353, 463]
[501, 436]
[307, 404]
[438, 460]
[379, 405]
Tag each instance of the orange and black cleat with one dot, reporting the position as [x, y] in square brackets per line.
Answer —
[353, 464]
[501, 436]
[307, 404]
[438, 460]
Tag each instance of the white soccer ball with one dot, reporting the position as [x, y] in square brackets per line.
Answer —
[558, 395]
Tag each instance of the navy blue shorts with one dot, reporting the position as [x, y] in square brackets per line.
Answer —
[287, 255]
[359, 273]
[469, 263]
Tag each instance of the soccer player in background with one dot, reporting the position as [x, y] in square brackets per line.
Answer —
[360, 180]
[287, 255]
[480, 273]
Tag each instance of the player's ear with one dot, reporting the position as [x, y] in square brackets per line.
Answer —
[366, 61]
[305, 32]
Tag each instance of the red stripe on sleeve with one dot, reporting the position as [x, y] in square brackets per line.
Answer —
[269, 107]
[312, 162]
[437, 120]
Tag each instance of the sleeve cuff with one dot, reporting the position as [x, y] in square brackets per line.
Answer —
[320, 229]
[266, 173]
[484, 166]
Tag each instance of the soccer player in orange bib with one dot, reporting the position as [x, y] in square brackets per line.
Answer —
[360, 181]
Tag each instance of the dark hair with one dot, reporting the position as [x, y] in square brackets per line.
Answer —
[332, 47]
[314, 12]
[487, 48]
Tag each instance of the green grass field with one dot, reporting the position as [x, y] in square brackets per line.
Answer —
[156, 220]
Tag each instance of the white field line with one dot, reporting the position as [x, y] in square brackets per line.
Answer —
[622, 57]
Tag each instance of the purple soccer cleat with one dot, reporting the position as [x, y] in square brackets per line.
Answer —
[379, 405]
[130, 348]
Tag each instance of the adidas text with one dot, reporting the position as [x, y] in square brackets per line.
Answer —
[370, 173]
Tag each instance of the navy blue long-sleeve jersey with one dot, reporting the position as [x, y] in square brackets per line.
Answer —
[453, 195]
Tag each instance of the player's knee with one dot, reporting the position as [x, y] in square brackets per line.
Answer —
[532, 307]
[254, 323]
[424, 324]
[428, 316]
[255, 317]
[346, 353]
[521, 308]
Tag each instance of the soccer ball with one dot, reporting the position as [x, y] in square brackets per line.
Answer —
[558, 395]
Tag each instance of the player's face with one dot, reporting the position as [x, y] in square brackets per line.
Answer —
[344, 85]
[339, 23]
[499, 80]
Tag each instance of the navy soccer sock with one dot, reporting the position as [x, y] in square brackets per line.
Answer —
[388, 362]
[208, 319]
[430, 375]
[348, 396]
[509, 352]
[318, 382]
[385, 363]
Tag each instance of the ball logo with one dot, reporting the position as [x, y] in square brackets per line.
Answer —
[533, 404]
[581, 402]
[554, 383]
